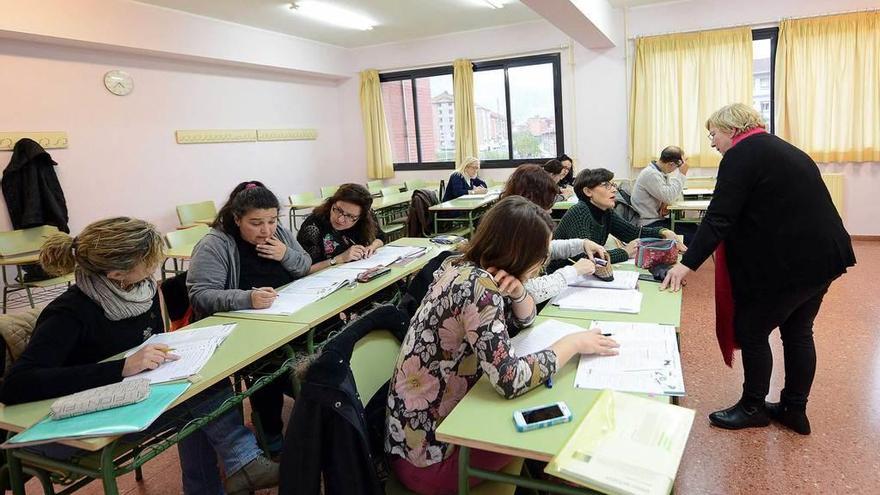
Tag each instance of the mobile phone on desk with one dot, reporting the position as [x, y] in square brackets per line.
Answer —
[372, 273]
[538, 417]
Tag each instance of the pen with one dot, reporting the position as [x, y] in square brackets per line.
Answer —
[549, 382]
[264, 290]
[607, 334]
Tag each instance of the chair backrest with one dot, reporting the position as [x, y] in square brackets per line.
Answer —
[412, 185]
[24, 241]
[193, 212]
[373, 361]
[186, 237]
[300, 198]
[375, 186]
[328, 191]
[388, 191]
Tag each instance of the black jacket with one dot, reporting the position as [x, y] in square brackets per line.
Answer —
[328, 433]
[31, 188]
[419, 219]
[775, 215]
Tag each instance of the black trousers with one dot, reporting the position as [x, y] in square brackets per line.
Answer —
[268, 403]
[793, 312]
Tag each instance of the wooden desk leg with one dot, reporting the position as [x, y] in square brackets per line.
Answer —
[464, 459]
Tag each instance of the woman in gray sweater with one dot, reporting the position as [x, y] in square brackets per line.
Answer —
[238, 265]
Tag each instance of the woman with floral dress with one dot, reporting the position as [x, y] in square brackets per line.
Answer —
[460, 331]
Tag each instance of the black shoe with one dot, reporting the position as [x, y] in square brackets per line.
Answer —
[740, 416]
[257, 474]
[793, 419]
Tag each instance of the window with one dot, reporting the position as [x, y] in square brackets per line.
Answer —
[421, 113]
[763, 67]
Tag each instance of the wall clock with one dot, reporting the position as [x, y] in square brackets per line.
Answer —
[118, 82]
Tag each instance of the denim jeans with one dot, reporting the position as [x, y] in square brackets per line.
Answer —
[226, 437]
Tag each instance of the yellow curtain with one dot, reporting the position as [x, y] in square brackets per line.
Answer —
[678, 81]
[379, 162]
[828, 86]
[465, 116]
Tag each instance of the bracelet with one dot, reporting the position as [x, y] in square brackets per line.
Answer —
[522, 298]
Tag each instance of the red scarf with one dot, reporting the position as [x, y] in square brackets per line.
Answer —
[724, 309]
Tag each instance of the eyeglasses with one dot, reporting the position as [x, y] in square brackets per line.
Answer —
[343, 215]
[608, 185]
[711, 136]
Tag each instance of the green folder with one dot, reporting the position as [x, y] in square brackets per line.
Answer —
[117, 421]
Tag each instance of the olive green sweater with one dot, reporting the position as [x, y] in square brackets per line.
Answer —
[586, 221]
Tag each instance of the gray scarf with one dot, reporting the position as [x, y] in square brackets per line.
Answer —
[118, 304]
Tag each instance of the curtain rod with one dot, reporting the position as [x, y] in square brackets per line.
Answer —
[431, 65]
[759, 24]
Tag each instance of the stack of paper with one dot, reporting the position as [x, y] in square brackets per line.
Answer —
[588, 298]
[286, 303]
[324, 282]
[542, 336]
[116, 421]
[648, 361]
[626, 445]
[386, 256]
[623, 279]
[194, 347]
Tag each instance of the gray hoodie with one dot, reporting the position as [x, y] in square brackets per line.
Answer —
[212, 279]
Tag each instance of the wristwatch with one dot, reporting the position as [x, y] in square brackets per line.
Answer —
[333, 261]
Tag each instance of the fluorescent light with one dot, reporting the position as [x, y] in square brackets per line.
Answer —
[495, 4]
[332, 14]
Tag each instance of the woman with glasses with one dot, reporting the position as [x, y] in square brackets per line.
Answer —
[342, 229]
[593, 217]
[557, 172]
[464, 180]
[460, 332]
[238, 265]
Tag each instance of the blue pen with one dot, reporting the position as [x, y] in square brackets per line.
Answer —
[549, 382]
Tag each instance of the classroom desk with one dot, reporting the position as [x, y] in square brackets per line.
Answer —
[15, 284]
[250, 341]
[344, 298]
[391, 200]
[658, 306]
[472, 207]
[698, 193]
[565, 205]
[494, 431]
[679, 209]
[303, 205]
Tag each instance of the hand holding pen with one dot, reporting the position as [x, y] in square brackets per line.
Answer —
[149, 357]
[262, 297]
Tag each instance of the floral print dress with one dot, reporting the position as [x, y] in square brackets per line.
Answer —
[458, 333]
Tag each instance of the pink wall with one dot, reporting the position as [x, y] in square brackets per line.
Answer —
[123, 158]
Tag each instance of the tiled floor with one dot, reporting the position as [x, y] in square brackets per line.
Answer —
[842, 456]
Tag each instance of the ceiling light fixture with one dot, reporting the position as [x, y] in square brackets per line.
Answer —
[495, 4]
[325, 12]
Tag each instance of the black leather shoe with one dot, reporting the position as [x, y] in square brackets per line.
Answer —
[740, 416]
[793, 419]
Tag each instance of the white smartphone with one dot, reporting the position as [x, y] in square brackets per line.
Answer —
[534, 418]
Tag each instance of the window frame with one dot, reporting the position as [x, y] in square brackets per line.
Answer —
[771, 34]
[552, 58]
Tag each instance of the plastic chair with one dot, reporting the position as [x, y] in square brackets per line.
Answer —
[388, 191]
[328, 191]
[203, 212]
[20, 248]
[180, 239]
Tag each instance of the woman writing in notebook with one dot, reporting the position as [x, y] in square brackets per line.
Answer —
[342, 229]
[460, 331]
[557, 173]
[593, 217]
[238, 265]
[533, 183]
[465, 181]
[114, 307]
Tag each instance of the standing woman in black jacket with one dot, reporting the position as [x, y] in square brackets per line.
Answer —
[783, 243]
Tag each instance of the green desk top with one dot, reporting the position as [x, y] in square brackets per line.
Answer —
[309, 203]
[249, 341]
[564, 205]
[331, 305]
[180, 252]
[657, 306]
[690, 205]
[484, 420]
[392, 200]
[461, 204]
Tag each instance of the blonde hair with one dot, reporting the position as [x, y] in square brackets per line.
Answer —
[736, 118]
[465, 164]
[119, 243]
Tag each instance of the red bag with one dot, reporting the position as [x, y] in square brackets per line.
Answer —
[652, 252]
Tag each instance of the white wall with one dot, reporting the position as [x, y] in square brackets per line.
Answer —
[862, 180]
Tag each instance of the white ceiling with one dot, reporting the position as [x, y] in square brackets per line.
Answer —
[398, 20]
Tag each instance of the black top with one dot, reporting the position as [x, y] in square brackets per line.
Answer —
[318, 237]
[256, 271]
[775, 214]
[71, 336]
